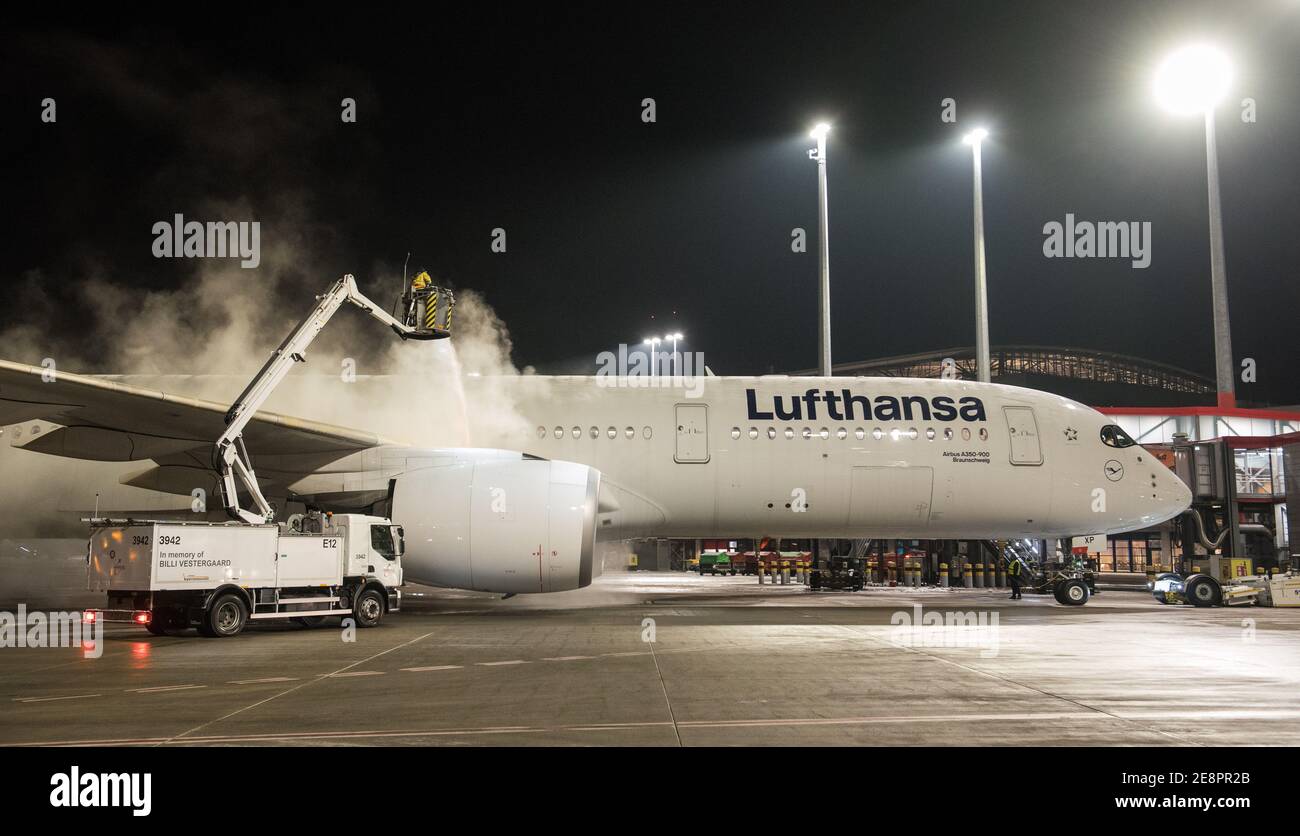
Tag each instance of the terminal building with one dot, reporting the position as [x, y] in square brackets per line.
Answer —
[1241, 463]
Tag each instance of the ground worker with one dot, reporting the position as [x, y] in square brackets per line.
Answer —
[1013, 577]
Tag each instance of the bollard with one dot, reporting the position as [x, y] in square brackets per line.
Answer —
[801, 572]
[916, 574]
[988, 575]
[785, 572]
[762, 572]
[966, 573]
[892, 573]
[979, 575]
[871, 572]
[943, 575]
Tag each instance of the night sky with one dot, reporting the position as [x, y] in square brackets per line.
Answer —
[530, 120]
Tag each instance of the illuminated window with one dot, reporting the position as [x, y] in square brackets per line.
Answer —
[577, 432]
[559, 432]
[595, 432]
[965, 433]
[859, 433]
[1113, 436]
[984, 433]
[753, 432]
[735, 432]
[612, 432]
[841, 433]
[947, 433]
[647, 432]
[895, 434]
[807, 433]
[912, 433]
[541, 432]
[929, 433]
[629, 432]
[771, 432]
[789, 432]
[824, 433]
[877, 433]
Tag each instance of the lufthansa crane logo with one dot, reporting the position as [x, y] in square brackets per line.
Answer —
[1114, 470]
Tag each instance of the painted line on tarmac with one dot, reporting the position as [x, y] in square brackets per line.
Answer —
[435, 668]
[498, 664]
[356, 673]
[161, 688]
[261, 681]
[55, 699]
[1082, 716]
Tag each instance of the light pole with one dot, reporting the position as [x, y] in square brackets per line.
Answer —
[982, 363]
[1192, 81]
[675, 336]
[824, 248]
[653, 342]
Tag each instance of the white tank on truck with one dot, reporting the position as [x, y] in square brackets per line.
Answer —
[169, 576]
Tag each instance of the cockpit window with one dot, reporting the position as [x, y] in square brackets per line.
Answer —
[1113, 436]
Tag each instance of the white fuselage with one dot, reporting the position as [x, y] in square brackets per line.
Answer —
[757, 456]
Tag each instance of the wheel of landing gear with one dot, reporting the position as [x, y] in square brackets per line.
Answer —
[1072, 593]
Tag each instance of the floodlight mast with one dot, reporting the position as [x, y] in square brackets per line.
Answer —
[427, 316]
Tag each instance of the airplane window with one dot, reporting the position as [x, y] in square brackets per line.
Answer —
[629, 432]
[647, 432]
[859, 433]
[984, 433]
[877, 433]
[577, 432]
[929, 433]
[895, 434]
[595, 432]
[559, 432]
[841, 433]
[735, 432]
[1113, 436]
[789, 432]
[912, 433]
[541, 432]
[965, 433]
[824, 433]
[753, 432]
[771, 432]
[947, 433]
[612, 432]
[807, 433]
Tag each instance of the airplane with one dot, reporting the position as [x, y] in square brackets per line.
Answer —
[590, 459]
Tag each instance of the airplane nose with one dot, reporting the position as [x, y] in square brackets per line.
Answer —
[1172, 496]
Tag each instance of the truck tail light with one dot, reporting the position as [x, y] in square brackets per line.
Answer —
[143, 618]
[89, 616]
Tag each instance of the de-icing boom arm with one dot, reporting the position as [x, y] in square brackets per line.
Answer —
[426, 316]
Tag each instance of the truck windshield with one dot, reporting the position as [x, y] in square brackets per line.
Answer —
[381, 540]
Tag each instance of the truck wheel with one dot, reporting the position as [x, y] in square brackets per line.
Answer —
[226, 617]
[1202, 592]
[156, 628]
[1073, 593]
[369, 608]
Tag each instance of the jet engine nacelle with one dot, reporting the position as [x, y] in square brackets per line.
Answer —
[499, 525]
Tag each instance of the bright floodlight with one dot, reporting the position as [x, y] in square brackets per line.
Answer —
[819, 131]
[1193, 80]
[976, 135]
[676, 336]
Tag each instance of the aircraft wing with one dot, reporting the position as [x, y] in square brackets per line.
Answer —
[102, 420]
